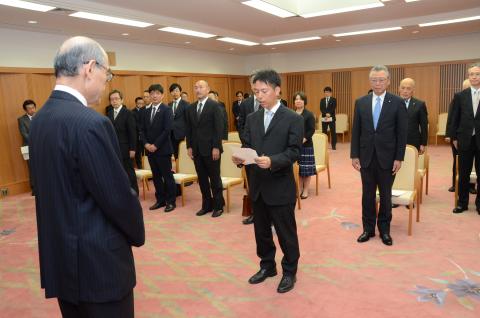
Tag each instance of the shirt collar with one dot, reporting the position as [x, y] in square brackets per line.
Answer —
[275, 108]
[71, 91]
[382, 97]
[203, 101]
[118, 109]
[178, 100]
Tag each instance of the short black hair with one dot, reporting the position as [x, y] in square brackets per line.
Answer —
[146, 91]
[269, 77]
[302, 97]
[115, 91]
[214, 93]
[173, 86]
[137, 99]
[327, 89]
[155, 87]
[238, 92]
[28, 102]
[370, 91]
[246, 95]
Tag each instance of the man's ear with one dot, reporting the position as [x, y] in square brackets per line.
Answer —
[88, 68]
[277, 90]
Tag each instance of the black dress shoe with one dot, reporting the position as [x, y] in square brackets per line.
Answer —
[451, 189]
[157, 205]
[170, 207]
[472, 191]
[286, 284]
[395, 206]
[386, 239]
[408, 206]
[459, 209]
[248, 220]
[217, 213]
[203, 212]
[261, 275]
[365, 236]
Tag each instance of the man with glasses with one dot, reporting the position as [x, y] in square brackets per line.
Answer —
[88, 217]
[379, 137]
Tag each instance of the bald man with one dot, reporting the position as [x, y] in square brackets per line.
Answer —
[417, 134]
[204, 145]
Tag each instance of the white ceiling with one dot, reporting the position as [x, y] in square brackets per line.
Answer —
[233, 19]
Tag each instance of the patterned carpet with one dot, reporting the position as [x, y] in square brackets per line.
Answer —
[199, 266]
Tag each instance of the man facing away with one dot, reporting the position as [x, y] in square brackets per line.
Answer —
[88, 217]
[276, 134]
[379, 136]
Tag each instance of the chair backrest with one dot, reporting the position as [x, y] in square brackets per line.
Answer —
[320, 142]
[442, 123]
[341, 124]
[227, 167]
[185, 163]
[146, 163]
[233, 136]
[421, 161]
[406, 177]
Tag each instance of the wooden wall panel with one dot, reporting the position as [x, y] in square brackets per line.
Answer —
[397, 74]
[295, 83]
[314, 85]
[451, 80]
[342, 91]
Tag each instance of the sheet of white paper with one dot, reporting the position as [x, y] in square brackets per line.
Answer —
[327, 120]
[247, 154]
[25, 153]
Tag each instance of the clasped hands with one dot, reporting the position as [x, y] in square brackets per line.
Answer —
[397, 164]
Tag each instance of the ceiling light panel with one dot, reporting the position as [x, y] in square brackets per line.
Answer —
[450, 21]
[237, 41]
[109, 19]
[269, 8]
[293, 40]
[187, 32]
[26, 5]
[367, 31]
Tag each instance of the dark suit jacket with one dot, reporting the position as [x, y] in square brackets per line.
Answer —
[205, 133]
[88, 217]
[236, 109]
[462, 120]
[24, 127]
[417, 123]
[309, 126]
[330, 108]
[246, 107]
[138, 115]
[225, 120]
[158, 131]
[390, 138]
[180, 119]
[282, 143]
[126, 130]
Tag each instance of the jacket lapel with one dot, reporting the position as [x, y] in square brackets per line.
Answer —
[385, 108]
[369, 110]
[276, 118]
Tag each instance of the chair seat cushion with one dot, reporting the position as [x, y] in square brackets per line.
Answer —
[143, 173]
[226, 181]
[320, 167]
[185, 177]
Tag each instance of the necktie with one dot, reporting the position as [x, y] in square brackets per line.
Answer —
[199, 110]
[115, 114]
[154, 110]
[476, 100]
[267, 118]
[256, 105]
[174, 106]
[376, 112]
[326, 102]
[407, 103]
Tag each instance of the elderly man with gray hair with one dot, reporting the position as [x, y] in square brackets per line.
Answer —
[88, 217]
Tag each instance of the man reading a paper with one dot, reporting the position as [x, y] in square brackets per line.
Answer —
[275, 133]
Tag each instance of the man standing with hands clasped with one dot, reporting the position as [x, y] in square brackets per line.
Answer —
[379, 137]
[276, 134]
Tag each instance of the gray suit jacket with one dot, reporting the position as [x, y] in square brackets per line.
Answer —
[24, 127]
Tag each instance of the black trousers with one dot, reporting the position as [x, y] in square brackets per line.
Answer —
[139, 154]
[127, 163]
[333, 131]
[466, 158]
[375, 176]
[30, 175]
[123, 308]
[283, 219]
[454, 167]
[175, 144]
[208, 172]
[165, 188]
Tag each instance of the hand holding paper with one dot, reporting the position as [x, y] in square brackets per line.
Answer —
[248, 155]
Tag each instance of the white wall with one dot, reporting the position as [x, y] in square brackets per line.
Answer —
[463, 47]
[32, 49]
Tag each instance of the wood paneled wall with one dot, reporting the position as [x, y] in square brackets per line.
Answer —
[19, 84]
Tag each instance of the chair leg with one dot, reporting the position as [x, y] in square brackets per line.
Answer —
[410, 219]
[421, 190]
[426, 182]
[418, 210]
[228, 199]
[143, 188]
[182, 187]
[436, 141]
[343, 137]
[316, 183]
[328, 174]
[146, 182]
[456, 191]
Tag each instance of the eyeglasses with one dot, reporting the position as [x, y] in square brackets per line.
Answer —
[380, 80]
[107, 70]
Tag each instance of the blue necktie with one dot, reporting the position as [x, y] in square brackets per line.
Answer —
[268, 117]
[376, 112]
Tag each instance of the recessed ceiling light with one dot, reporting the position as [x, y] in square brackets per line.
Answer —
[125, 34]
[450, 21]
[367, 31]
[338, 40]
[231, 49]
[237, 41]
[274, 48]
[109, 19]
[269, 8]
[293, 40]
[187, 42]
[26, 5]
[32, 22]
[187, 32]
[415, 31]
[342, 10]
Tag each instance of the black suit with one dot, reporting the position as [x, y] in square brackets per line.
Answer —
[88, 217]
[24, 128]
[417, 123]
[126, 131]
[225, 120]
[236, 111]
[461, 127]
[179, 129]
[204, 134]
[157, 132]
[330, 108]
[377, 150]
[246, 107]
[139, 151]
[272, 191]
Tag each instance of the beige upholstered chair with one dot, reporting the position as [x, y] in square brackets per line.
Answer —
[229, 172]
[341, 125]
[406, 181]
[423, 172]
[320, 142]
[234, 136]
[441, 126]
[185, 169]
[144, 174]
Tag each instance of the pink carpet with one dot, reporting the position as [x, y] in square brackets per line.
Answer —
[199, 266]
